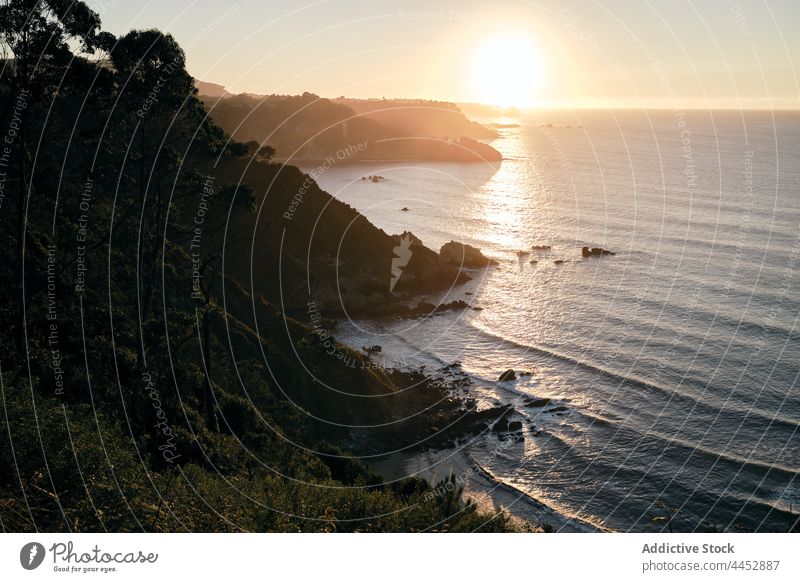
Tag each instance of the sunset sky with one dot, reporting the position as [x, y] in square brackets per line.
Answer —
[574, 53]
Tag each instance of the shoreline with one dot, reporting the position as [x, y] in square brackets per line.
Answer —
[449, 454]
[570, 523]
[481, 486]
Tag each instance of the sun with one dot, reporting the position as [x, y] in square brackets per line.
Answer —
[507, 71]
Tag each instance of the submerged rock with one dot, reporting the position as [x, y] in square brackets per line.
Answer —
[507, 375]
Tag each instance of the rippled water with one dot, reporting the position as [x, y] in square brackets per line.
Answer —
[672, 366]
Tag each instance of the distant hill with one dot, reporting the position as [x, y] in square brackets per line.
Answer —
[210, 89]
[308, 127]
[483, 110]
[419, 117]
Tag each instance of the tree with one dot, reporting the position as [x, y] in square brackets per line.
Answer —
[35, 37]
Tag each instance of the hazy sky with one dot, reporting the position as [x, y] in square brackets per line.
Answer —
[700, 53]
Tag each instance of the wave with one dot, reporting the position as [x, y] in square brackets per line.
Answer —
[634, 380]
[581, 523]
[595, 419]
[757, 465]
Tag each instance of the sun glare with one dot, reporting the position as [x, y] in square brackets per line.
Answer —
[507, 71]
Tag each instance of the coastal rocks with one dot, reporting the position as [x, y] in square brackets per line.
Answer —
[555, 126]
[522, 254]
[557, 410]
[480, 420]
[423, 308]
[374, 179]
[461, 423]
[507, 376]
[425, 269]
[510, 375]
[541, 248]
[505, 425]
[595, 252]
[501, 425]
[430, 412]
[456, 253]
[537, 402]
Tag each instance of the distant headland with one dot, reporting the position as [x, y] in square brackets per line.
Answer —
[307, 127]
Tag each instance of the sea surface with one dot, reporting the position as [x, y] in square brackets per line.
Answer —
[672, 366]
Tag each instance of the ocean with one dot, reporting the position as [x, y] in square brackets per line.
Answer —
[671, 367]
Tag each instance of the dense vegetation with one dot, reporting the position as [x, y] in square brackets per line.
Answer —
[148, 381]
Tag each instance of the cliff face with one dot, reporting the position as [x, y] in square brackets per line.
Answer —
[302, 245]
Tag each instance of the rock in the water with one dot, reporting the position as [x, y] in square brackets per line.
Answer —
[557, 409]
[538, 402]
[559, 262]
[541, 247]
[404, 209]
[595, 252]
[503, 425]
[507, 375]
[457, 253]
